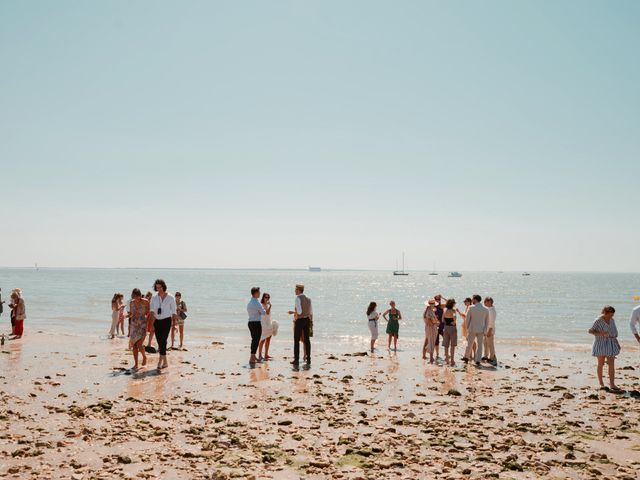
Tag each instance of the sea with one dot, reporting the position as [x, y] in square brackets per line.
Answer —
[542, 308]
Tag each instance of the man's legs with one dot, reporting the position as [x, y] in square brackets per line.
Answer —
[297, 331]
[480, 340]
[307, 339]
[470, 339]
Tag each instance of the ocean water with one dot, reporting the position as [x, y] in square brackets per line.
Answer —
[543, 307]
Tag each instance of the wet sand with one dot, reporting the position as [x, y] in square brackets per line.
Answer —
[70, 409]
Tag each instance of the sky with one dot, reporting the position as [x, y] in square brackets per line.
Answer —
[492, 135]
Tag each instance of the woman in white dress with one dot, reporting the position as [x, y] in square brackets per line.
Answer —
[268, 328]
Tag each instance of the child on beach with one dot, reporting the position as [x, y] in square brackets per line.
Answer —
[605, 345]
[393, 317]
[117, 306]
[372, 317]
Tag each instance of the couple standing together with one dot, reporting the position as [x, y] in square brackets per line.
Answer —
[302, 323]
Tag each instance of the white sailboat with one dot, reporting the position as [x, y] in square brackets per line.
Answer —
[433, 272]
[400, 272]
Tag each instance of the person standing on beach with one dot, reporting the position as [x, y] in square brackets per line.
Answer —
[476, 324]
[267, 328]
[393, 317]
[116, 306]
[605, 345]
[465, 333]
[431, 323]
[138, 313]
[163, 309]
[19, 312]
[303, 315]
[450, 336]
[439, 311]
[255, 311]
[372, 321]
[149, 349]
[181, 316]
[634, 322]
[489, 338]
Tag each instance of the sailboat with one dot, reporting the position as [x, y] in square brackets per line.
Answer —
[433, 272]
[400, 272]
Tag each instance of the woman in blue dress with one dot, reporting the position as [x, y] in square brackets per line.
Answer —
[605, 344]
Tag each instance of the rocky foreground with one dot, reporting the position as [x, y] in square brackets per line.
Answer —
[75, 414]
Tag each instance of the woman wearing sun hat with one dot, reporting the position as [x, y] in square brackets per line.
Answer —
[431, 324]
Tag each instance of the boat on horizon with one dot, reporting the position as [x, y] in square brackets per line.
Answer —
[402, 272]
[526, 274]
[315, 269]
[433, 272]
[455, 274]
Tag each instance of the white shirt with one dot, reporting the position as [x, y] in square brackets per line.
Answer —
[635, 320]
[299, 307]
[373, 316]
[491, 321]
[168, 305]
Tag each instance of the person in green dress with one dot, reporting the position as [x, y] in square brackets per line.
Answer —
[393, 317]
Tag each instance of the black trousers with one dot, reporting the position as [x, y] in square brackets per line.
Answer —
[301, 328]
[162, 328]
[256, 332]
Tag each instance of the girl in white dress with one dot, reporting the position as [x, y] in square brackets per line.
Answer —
[267, 328]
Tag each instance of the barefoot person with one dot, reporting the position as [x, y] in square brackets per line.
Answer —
[465, 333]
[393, 317]
[450, 336]
[19, 312]
[149, 349]
[116, 306]
[181, 316]
[255, 312]
[605, 345]
[267, 328]
[372, 320]
[439, 310]
[138, 312]
[431, 323]
[476, 324]
[303, 323]
[489, 338]
[163, 309]
[634, 323]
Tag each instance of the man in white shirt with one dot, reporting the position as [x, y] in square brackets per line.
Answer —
[163, 308]
[476, 324]
[635, 323]
[489, 338]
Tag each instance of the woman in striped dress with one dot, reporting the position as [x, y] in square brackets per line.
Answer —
[605, 345]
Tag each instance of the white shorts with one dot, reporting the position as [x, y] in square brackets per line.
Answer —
[373, 328]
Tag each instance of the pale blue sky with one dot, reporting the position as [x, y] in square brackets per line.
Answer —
[493, 135]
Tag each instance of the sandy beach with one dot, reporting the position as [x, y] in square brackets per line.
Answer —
[72, 410]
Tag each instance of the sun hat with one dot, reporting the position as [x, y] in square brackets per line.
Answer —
[431, 301]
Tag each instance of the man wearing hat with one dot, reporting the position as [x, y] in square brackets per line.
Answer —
[303, 319]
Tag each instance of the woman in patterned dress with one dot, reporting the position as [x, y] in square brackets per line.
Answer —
[139, 311]
[605, 345]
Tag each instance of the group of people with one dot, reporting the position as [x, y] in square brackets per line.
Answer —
[441, 321]
[18, 313]
[158, 315]
[262, 327]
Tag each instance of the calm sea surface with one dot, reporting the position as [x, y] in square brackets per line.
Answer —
[549, 307]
